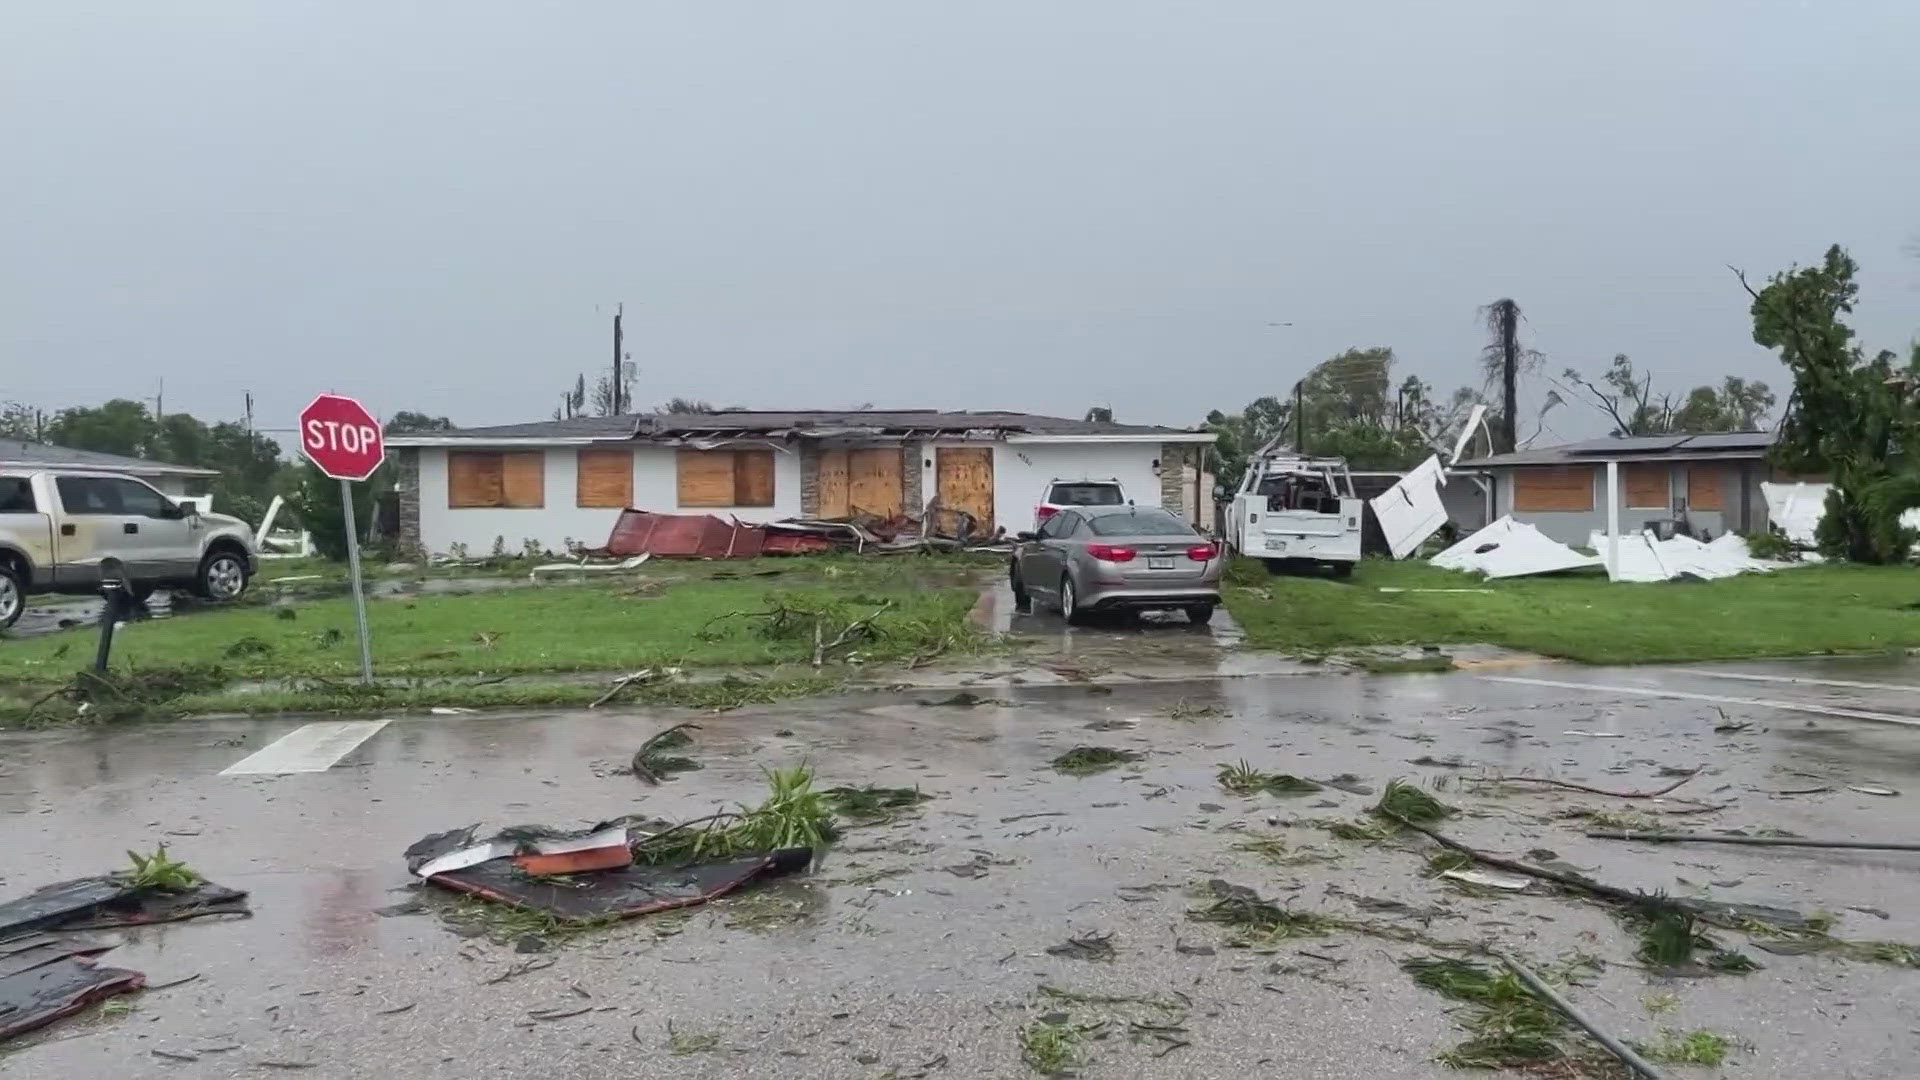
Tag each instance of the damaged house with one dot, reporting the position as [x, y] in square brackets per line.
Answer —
[1712, 482]
[568, 480]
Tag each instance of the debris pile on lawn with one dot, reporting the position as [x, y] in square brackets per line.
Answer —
[1509, 548]
[704, 536]
[629, 867]
[47, 973]
[1643, 557]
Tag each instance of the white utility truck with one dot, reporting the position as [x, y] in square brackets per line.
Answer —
[1297, 513]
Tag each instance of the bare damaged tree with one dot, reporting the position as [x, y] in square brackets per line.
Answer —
[1631, 405]
[1502, 359]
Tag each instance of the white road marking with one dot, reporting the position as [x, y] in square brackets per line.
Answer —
[1795, 679]
[1766, 703]
[309, 748]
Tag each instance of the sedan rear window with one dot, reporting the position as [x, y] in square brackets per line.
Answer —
[1140, 523]
[1085, 495]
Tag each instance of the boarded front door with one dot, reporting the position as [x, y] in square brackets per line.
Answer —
[873, 482]
[833, 484]
[965, 478]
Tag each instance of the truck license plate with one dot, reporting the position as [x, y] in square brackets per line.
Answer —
[1159, 564]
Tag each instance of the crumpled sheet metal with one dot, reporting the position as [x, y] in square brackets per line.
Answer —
[593, 896]
[1646, 559]
[1411, 510]
[703, 536]
[1509, 548]
[108, 901]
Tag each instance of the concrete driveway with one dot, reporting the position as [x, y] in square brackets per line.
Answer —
[918, 948]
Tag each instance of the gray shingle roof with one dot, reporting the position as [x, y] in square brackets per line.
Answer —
[802, 422]
[1721, 444]
[16, 453]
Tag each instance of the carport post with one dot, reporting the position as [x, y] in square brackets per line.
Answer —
[1613, 520]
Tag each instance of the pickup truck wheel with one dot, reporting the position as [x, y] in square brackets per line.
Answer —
[223, 576]
[13, 597]
[1341, 569]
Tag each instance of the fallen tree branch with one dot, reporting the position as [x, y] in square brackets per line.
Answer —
[1614, 1046]
[621, 683]
[846, 636]
[641, 756]
[1571, 786]
[1571, 881]
[1756, 841]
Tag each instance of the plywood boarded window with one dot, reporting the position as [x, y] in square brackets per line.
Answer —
[874, 481]
[493, 478]
[725, 477]
[605, 478]
[1707, 487]
[1561, 488]
[1646, 485]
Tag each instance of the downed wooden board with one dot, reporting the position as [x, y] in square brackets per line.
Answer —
[624, 893]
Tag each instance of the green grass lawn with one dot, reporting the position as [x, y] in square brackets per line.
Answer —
[1583, 616]
[664, 615]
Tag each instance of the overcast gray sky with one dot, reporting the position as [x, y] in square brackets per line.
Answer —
[1035, 206]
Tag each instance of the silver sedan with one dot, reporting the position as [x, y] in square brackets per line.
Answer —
[1088, 559]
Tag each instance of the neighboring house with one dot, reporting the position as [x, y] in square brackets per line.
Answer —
[1713, 481]
[170, 479]
[563, 480]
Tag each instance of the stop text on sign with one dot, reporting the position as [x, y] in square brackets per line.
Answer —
[324, 435]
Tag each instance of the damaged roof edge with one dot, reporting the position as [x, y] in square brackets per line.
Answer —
[892, 426]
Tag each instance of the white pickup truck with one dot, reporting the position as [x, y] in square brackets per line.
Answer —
[58, 525]
[1296, 512]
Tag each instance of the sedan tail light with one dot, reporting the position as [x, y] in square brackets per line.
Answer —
[1203, 552]
[1045, 512]
[1111, 552]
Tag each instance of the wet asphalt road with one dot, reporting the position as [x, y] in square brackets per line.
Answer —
[886, 962]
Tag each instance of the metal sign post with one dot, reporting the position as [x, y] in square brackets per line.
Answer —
[359, 593]
[343, 439]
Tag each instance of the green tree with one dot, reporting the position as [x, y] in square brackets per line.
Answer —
[684, 406]
[21, 421]
[1626, 397]
[404, 422]
[119, 427]
[316, 500]
[1851, 415]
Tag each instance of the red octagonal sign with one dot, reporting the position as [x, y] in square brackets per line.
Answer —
[339, 435]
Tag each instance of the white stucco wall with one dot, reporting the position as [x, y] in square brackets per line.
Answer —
[1021, 472]
[655, 487]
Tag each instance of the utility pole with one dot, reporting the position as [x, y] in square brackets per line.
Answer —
[1299, 418]
[160, 401]
[249, 412]
[618, 352]
[1510, 373]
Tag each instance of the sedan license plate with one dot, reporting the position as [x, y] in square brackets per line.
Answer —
[1160, 564]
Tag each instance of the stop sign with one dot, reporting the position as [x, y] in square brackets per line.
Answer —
[339, 435]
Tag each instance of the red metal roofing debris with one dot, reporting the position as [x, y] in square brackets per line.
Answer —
[703, 536]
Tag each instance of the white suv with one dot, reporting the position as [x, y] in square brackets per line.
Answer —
[1061, 493]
